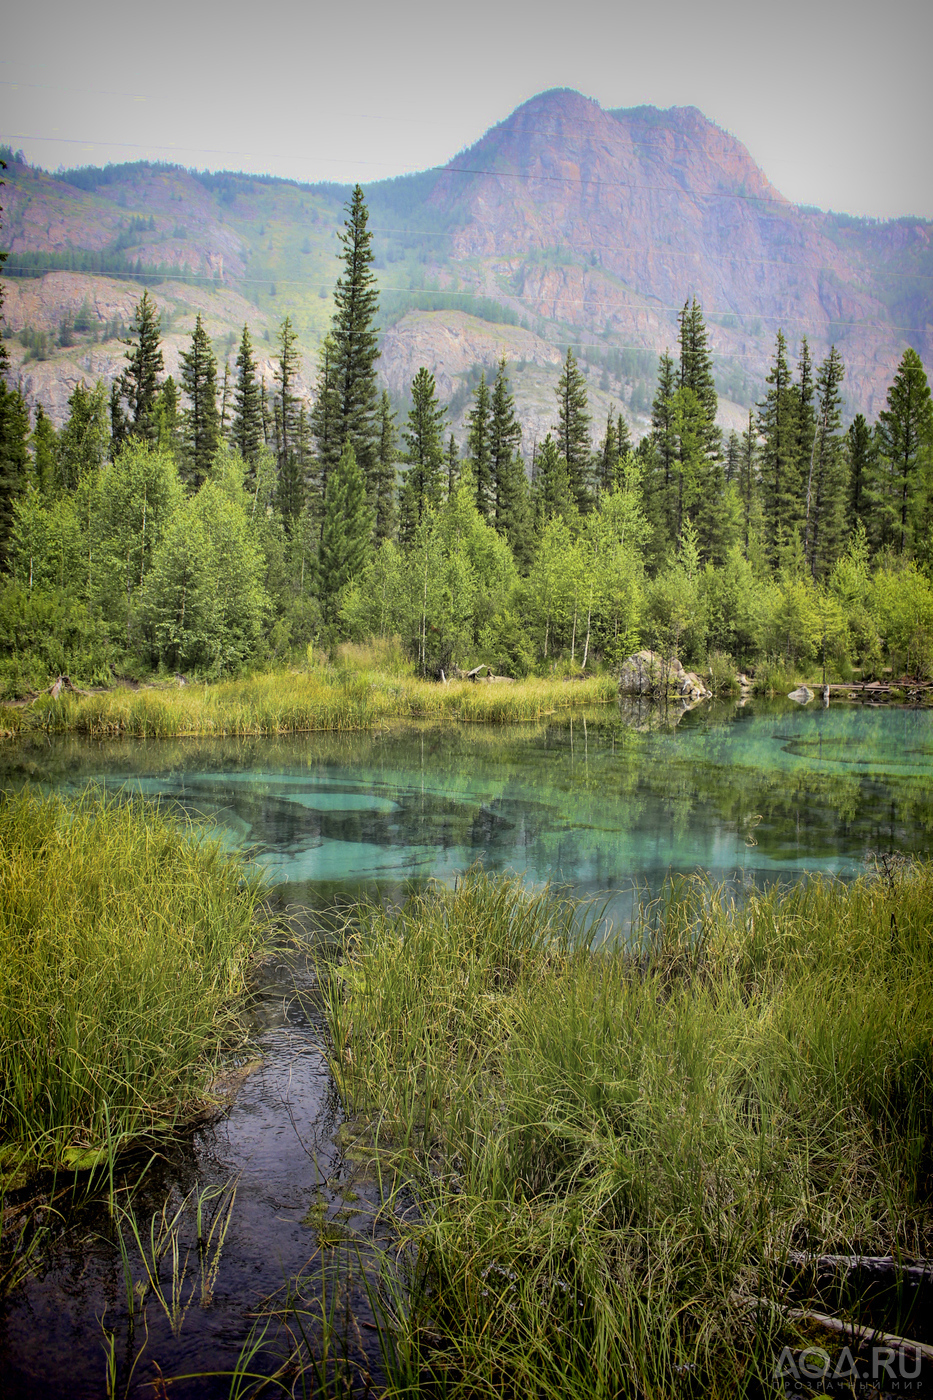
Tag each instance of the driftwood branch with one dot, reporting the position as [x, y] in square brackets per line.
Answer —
[878, 1265]
[852, 1332]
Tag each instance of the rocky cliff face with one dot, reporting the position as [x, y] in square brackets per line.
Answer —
[591, 227]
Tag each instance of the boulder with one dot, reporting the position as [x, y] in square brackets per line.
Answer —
[802, 695]
[647, 673]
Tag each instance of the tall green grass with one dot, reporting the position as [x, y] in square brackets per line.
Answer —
[125, 943]
[614, 1149]
[321, 698]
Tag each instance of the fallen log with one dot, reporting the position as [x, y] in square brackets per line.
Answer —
[854, 1332]
[880, 1265]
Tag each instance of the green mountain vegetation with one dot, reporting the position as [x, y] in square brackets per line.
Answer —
[212, 526]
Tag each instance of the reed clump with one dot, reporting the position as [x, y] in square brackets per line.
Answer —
[125, 945]
[615, 1148]
[341, 697]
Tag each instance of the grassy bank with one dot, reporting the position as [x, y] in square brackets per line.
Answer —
[614, 1152]
[288, 702]
[124, 947]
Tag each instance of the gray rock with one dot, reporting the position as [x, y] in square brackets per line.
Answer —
[802, 695]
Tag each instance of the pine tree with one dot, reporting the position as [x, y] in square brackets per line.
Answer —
[45, 448]
[346, 533]
[385, 504]
[573, 429]
[553, 498]
[167, 419]
[291, 492]
[139, 384]
[608, 456]
[505, 434]
[623, 438]
[860, 448]
[747, 481]
[905, 433]
[824, 517]
[478, 449]
[14, 459]
[356, 342]
[806, 417]
[325, 419]
[201, 421]
[424, 444]
[85, 438]
[453, 466]
[780, 476]
[696, 373]
[662, 477]
[246, 432]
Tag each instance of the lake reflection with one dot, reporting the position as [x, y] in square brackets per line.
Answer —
[761, 792]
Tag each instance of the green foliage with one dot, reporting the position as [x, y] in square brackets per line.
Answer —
[246, 426]
[346, 533]
[204, 603]
[356, 346]
[201, 432]
[124, 947]
[615, 1146]
[47, 632]
[140, 380]
[573, 430]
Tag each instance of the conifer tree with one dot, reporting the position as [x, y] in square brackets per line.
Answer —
[139, 383]
[733, 456]
[291, 491]
[325, 419]
[905, 435]
[661, 480]
[696, 373]
[45, 449]
[780, 475]
[453, 466]
[246, 432]
[167, 419]
[385, 504]
[806, 416]
[623, 437]
[424, 443]
[356, 344]
[824, 515]
[608, 456]
[748, 482]
[553, 498]
[573, 429]
[346, 533]
[478, 449]
[860, 448]
[85, 438]
[201, 421]
[505, 434]
[14, 459]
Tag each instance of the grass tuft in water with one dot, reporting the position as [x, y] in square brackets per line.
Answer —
[125, 943]
[615, 1148]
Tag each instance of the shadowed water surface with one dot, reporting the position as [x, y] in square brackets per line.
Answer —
[602, 805]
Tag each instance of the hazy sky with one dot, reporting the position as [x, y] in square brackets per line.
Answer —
[832, 99]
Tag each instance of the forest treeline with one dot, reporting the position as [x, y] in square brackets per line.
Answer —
[214, 525]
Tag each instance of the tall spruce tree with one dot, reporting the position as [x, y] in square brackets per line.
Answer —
[824, 515]
[780, 467]
[139, 383]
[662, 476]
[386, 489]
[905, 437]
[201, 430]
[552, 496]
[356, 343]
[346, 533]
[505, 434]
[325, 420]
[573, 429]
[747, 481]
[424, 454]
[860, 447]
[290, 493]
[246, 432]
[608, 456]
[478, 450]
[453, 466]
[696, 373]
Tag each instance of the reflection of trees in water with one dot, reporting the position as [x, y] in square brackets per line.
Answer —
[826, 783]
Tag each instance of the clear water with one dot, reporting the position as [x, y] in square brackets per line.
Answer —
[612, 802]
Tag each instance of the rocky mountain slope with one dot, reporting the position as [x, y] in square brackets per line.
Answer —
[565, 224]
